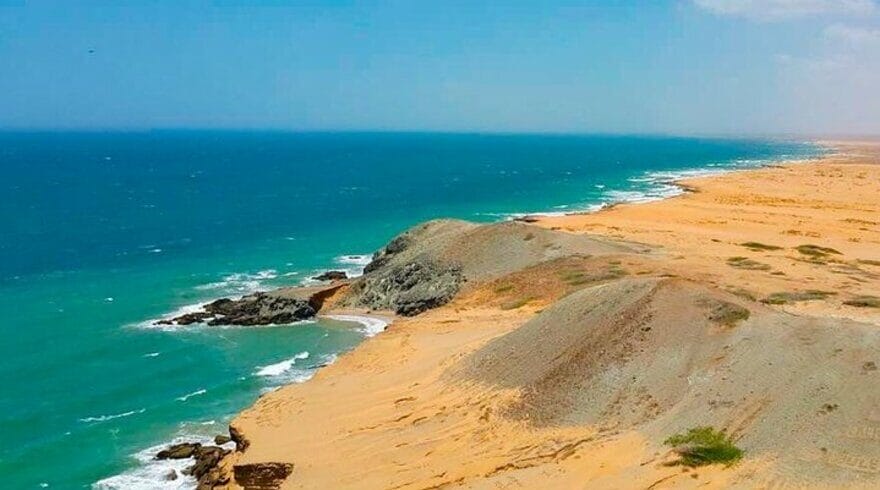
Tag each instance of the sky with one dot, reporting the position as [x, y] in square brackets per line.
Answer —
[739, 67]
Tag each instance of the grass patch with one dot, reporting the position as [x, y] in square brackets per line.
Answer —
[816, 251]
[782, 298]
[747, 264]
[864, 301]
[743, 293]
[517, 303]
[759, 247]
[728, 314]
[504, 288]
[702, 446]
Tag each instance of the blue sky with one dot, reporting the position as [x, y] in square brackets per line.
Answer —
[678, 66]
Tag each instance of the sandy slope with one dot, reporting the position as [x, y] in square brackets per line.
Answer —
[569, 372]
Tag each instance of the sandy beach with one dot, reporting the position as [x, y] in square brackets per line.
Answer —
[570, 370]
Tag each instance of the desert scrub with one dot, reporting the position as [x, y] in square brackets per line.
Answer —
[704, 445]
[864, 301]
[742, 293]
[747, 264]
[517, 303]
[816, 251]
[728, 314]
[758, 247]
[504, 288]
[782, 298]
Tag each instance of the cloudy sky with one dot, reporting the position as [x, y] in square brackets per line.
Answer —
[801, 67]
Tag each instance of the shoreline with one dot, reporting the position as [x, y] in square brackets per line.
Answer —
[475, 319]
[376, 324]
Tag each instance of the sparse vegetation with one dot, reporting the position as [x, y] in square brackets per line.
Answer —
[517, 303]
[816, 251]
[504, 288]
[759, 247]
[747, 264]
[785, 297]
[864, 301]
[702, 446]
[728, 314]
[743, 293]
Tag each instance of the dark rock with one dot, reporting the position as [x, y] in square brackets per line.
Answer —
[262, 476]
[382, 257]
[411, 288]
[238, 438]
[331, 276]
[189, 319]
[171, 475]
[527, 219]
[179, 451]
[254, 309]
[207, 458]
[221, 439]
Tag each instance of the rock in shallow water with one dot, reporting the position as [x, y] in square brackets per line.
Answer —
[254, 309]
[331, 276]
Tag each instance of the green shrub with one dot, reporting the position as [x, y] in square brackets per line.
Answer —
[864, 302]
[759, 246]
[703, 446]
[816, 251]
[790, 297]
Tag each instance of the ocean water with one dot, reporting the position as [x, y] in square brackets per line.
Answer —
[102, 233]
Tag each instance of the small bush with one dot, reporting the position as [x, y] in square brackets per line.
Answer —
[790, 297]
[864, 302]
[816, 251]
[747, 264]
[728, 314]
[703, 446]
[759, 246]
[518, 303]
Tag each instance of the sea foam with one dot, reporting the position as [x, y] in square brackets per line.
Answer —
[370, 325]
[151, 473]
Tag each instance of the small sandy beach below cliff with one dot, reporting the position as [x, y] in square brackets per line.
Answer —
[570, 372]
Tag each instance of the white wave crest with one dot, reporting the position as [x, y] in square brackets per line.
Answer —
[151, 473]
[104, 418]
[241, 282]
[282, 367]
[190, 395]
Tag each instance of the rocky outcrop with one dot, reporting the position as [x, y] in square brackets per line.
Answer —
[206, 461]
[383, 256]
[179, 451]
[262, 476]
[411, 288]
[331, 276]
[254, 309]
[238, 438]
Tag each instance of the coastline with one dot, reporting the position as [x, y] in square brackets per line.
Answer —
[421, 350]
[375, 324]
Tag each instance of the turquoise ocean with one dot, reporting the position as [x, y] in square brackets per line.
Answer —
[103, 233]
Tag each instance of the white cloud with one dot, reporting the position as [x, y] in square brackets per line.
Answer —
[774, 10]
[854, 37]
[833, 89]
